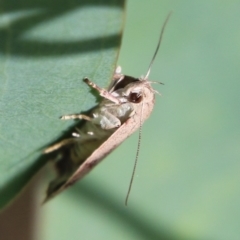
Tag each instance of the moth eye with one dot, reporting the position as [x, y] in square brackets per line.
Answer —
[135, 97]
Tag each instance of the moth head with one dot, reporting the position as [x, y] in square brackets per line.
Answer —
[138, 92]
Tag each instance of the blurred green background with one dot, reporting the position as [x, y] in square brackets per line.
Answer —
[187, 181]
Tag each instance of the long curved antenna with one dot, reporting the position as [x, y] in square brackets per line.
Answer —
[140, 124]
[136, 158]
[158, 45]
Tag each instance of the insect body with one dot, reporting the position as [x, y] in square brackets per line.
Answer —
[125, 106]
[116, 118]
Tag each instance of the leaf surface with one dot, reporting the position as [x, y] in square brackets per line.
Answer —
[46, 48]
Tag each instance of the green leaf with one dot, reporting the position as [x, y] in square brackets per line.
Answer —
[46, 50]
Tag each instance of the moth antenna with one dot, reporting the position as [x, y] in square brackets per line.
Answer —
[158, 45]
[157, 82]
[136, 158]
[140, 124]
[158, 93]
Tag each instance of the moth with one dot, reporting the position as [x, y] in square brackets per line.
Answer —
[125, 106]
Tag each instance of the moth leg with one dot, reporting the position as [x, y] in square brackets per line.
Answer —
[76, 116]
[118, 70]
[118, 76]
[59, 145]
[103, 92]
[105, 120]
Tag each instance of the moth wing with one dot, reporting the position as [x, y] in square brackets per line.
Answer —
[105, 148]
[117, 137]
